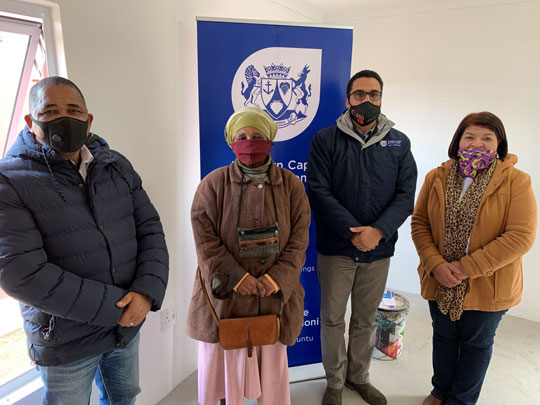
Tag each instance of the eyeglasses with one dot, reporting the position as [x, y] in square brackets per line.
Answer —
[359, 95]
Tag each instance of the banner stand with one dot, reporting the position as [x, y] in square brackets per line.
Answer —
[298, 74]
[308, 372]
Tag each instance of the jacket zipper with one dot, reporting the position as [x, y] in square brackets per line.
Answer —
[86, 184]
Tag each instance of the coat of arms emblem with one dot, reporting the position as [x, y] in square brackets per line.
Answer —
[284, 99]
[288, 92]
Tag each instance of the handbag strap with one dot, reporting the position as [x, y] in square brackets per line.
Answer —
[211, 307]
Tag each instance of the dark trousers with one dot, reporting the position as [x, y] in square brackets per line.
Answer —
[461, 353]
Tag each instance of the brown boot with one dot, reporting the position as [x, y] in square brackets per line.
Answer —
[431, 400]
[368, 392]
[332, 396]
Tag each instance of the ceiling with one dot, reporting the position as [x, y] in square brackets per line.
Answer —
[343, 11]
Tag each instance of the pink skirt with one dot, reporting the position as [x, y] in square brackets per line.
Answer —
[232, 375]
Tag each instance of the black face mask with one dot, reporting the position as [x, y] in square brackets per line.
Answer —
[64, 134]
[365, 113]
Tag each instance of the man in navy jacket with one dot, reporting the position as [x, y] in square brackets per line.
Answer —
[81, 248]
[361, 180]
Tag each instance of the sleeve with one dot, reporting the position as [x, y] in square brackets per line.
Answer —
[421, 231]
[271, 280]
[402, 204]
[287, 268]
[27, 276]
[218, 267]
[319, 189]
[517, 237]
[235, 288]
[152, 272]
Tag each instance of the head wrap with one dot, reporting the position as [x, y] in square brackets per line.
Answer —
[250, 117]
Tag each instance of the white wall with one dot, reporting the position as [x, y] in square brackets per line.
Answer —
[440, 65]
[136, 63]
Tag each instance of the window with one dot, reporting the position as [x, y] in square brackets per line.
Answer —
[23, 60]
[22, 52]
[31, 46]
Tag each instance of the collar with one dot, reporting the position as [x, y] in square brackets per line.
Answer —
[364, 135]
[235, 174]
[345, 124]
[86, 156]
[258, 173]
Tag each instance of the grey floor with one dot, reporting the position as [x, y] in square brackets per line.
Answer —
[513, 376]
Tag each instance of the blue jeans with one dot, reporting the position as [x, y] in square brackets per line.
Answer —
[116, 374]
[461, 353]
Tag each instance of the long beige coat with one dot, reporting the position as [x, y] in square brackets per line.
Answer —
[214, 215]
[503, 232]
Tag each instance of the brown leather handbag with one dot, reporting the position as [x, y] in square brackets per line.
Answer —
[236, 333]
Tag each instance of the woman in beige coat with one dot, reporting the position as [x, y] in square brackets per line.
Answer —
[474, 219]
[245, 279]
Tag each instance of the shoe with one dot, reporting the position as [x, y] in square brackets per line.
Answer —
[332, 396]
[222, 402]
[368, 392]
[431, 400]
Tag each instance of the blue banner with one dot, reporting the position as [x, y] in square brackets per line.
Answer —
[298, 75]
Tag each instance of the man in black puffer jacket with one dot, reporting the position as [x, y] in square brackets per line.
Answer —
[81, 248]
[361, 179]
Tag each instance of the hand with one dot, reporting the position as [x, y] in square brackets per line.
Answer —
[458, 270]
[136, 307]
[366, 238]
[445, 273]
[356, 240]
[251, 286]
[268, 287]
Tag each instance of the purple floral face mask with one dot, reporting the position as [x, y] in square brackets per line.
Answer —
[473, 160]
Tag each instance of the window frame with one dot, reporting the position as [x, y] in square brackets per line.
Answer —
[47, 14]
[33, 30]
[22, 387]
[26, 388]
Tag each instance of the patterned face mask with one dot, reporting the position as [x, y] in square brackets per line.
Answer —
[473, 160]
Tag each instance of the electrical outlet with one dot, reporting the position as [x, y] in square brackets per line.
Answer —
[168, 317]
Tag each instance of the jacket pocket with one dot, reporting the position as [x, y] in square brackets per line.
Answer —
[509, 282]
[44, 333]
[49, 332]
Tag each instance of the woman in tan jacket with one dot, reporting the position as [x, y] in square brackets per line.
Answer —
[245, 277]
[474, 219]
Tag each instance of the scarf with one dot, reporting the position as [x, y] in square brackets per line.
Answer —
[256, 173]
[459, 217]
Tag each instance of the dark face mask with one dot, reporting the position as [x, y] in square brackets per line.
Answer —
[64, 134]
[365, 113]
